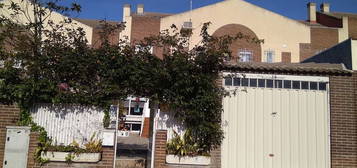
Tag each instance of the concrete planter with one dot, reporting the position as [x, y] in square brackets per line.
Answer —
[188, 160]
[82, 157]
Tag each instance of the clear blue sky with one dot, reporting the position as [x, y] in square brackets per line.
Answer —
[112, 9]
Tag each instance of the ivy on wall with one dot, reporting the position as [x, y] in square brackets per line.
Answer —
[55, 65]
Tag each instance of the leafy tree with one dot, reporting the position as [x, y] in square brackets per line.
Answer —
[55, 65]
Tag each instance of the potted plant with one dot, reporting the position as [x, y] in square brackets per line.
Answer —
[182, 150]
[91, 152]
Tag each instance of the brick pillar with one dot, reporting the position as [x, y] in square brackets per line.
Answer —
[216, 158]
[343, 121]
[146, 128]
[160, 149]
[31, 163]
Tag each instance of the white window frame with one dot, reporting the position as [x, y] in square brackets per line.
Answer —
[245, 55]
[138, 48]
[269, 53]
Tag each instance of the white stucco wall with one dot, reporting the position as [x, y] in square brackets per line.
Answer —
[126, 33]
[55, 17]
[280, 33]
[343, 32]
[354, 54]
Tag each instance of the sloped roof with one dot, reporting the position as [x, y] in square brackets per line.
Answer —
[314, 24]
[341, 14]
[324, 68]
[152, 14]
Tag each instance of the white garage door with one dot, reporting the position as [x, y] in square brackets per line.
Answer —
[276, 121]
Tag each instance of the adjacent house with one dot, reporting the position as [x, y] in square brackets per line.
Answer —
[27, 16]
[285, 114]
[285, 39]
[344, 52]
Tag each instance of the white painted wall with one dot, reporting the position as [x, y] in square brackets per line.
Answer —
[125, 34]
[25, 5]
[296, 136]
[65, 123]
[343, 32]
[354, 54]
[166, 121]
[280, 33]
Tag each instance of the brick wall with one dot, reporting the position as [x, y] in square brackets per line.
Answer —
[106, 161]
[321, 38]
[160, 154]
[160, 149]
[236, 46]
[352, 27]
[343, 120]
[145, 26]
[216, 158]
[146, 128]
[9, 115]
[113, 38]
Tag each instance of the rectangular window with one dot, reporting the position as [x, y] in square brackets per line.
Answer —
[287, 84]
[261, 82]
[313, 85]
[269, 83]
[245, 55]
[136, 110]
[296, 84]
[304, 85]
[245, 82]
[253, 82]
[322, 86]
[135, 127]
[236, 81]
[228, 81]
[278, 84]
[269, 55]
[139, 48]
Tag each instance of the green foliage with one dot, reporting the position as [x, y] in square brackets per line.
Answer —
[93, 146]
[61, 68]
[106, 119]
[69, 158]
[184, 146]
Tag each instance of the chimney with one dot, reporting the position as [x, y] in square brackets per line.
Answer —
[140, 9]
[126, 11]
[325, 7]
[311, 12]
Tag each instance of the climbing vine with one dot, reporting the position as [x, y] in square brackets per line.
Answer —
[55, 65]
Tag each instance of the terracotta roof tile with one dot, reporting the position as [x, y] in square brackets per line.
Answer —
[289, 67]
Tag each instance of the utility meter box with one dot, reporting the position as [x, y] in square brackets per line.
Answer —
[108, 137]
[16, 147]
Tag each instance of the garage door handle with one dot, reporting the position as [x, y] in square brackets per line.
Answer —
[5, 162]
[274, 114]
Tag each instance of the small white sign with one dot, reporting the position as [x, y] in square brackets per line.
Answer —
[108, 138]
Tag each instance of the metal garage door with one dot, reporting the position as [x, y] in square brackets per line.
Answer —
[276, 121]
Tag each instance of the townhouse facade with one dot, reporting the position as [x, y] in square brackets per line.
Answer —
[285, 40]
